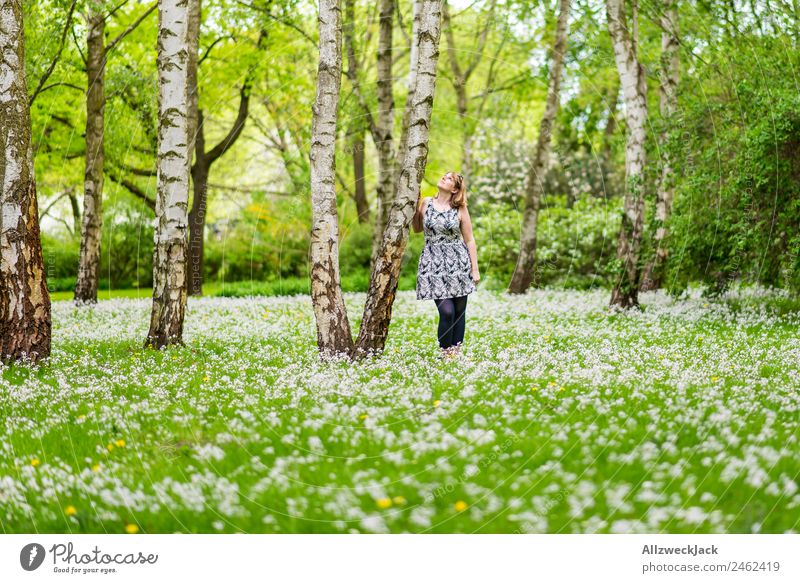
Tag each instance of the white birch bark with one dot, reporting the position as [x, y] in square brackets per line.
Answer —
[92, 222]
[333, 329]
[526, 262]
[385, 274]
[634, 89]
[170, 253]
[411, 85]
[25, 324]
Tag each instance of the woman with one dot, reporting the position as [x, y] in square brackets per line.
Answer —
[448, 265]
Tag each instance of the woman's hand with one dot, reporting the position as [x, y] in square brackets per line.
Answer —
[476, 276]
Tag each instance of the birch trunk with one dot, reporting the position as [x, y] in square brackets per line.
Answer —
[411, 85]
[170, 253]
[669, 77]
[634, 88]
[526, 261]
[385, 275]
[333, 328]
[25, 324]
[91, 227]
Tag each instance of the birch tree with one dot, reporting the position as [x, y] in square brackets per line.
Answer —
[96, 57]
[526, 261]
[25, 324]
[634, 89]
[669, 76]
[333, 328]
[170, 252]
[386, 272]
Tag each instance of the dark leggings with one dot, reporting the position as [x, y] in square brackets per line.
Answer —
[451, 320]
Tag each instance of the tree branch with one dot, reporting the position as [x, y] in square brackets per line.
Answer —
[110, 46]
[132, 188]
[57, 56]
[70, 85]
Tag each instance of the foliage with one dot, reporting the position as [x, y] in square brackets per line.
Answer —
[738, 151]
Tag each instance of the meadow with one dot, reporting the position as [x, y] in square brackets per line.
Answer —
[560, 416]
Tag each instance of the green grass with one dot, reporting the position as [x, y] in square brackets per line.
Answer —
[559, 417]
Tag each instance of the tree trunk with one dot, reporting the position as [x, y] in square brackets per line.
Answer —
[634, 87]
[670, 75]
[333, 328]
[197, 215]
[91, 229]
[199, 172]
[169, 255]
[526, 262]
[25, 324]
[411, 86]
[194, 100]
[362, 206]
[385, 275]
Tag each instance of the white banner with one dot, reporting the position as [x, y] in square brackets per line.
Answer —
[401, 558]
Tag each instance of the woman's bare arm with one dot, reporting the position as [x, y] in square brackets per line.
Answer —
[416, 222]
[466, 232]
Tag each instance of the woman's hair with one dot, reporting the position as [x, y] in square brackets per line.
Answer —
[460, 196]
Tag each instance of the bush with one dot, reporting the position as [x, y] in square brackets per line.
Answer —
[573, 246]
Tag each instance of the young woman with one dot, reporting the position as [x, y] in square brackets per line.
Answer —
[448, 265]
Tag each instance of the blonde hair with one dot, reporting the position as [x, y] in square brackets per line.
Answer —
[459, 198]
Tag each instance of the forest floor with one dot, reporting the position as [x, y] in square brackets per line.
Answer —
[560, 416]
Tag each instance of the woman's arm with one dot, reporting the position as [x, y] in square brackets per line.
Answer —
[466, 232]
[416, 222]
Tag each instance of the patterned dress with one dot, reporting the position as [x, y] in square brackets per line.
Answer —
[444, 265]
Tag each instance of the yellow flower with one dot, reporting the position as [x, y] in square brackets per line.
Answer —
[399, 500]
[131, 528]
[534, 388]
[35, 462]
[96, 468]
[110, 447]
[364, 416]
[383, 503]
[81, 417]
[714, 379]
[120, 443]
[460, 506]
[436, 403]
[205, 378]
[560, 388]
[70, 511]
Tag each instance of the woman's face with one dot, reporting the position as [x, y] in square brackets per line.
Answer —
[448, 182]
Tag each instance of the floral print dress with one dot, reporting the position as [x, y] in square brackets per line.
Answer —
[444, 266]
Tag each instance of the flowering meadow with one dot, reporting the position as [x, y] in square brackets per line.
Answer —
[559, 416]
